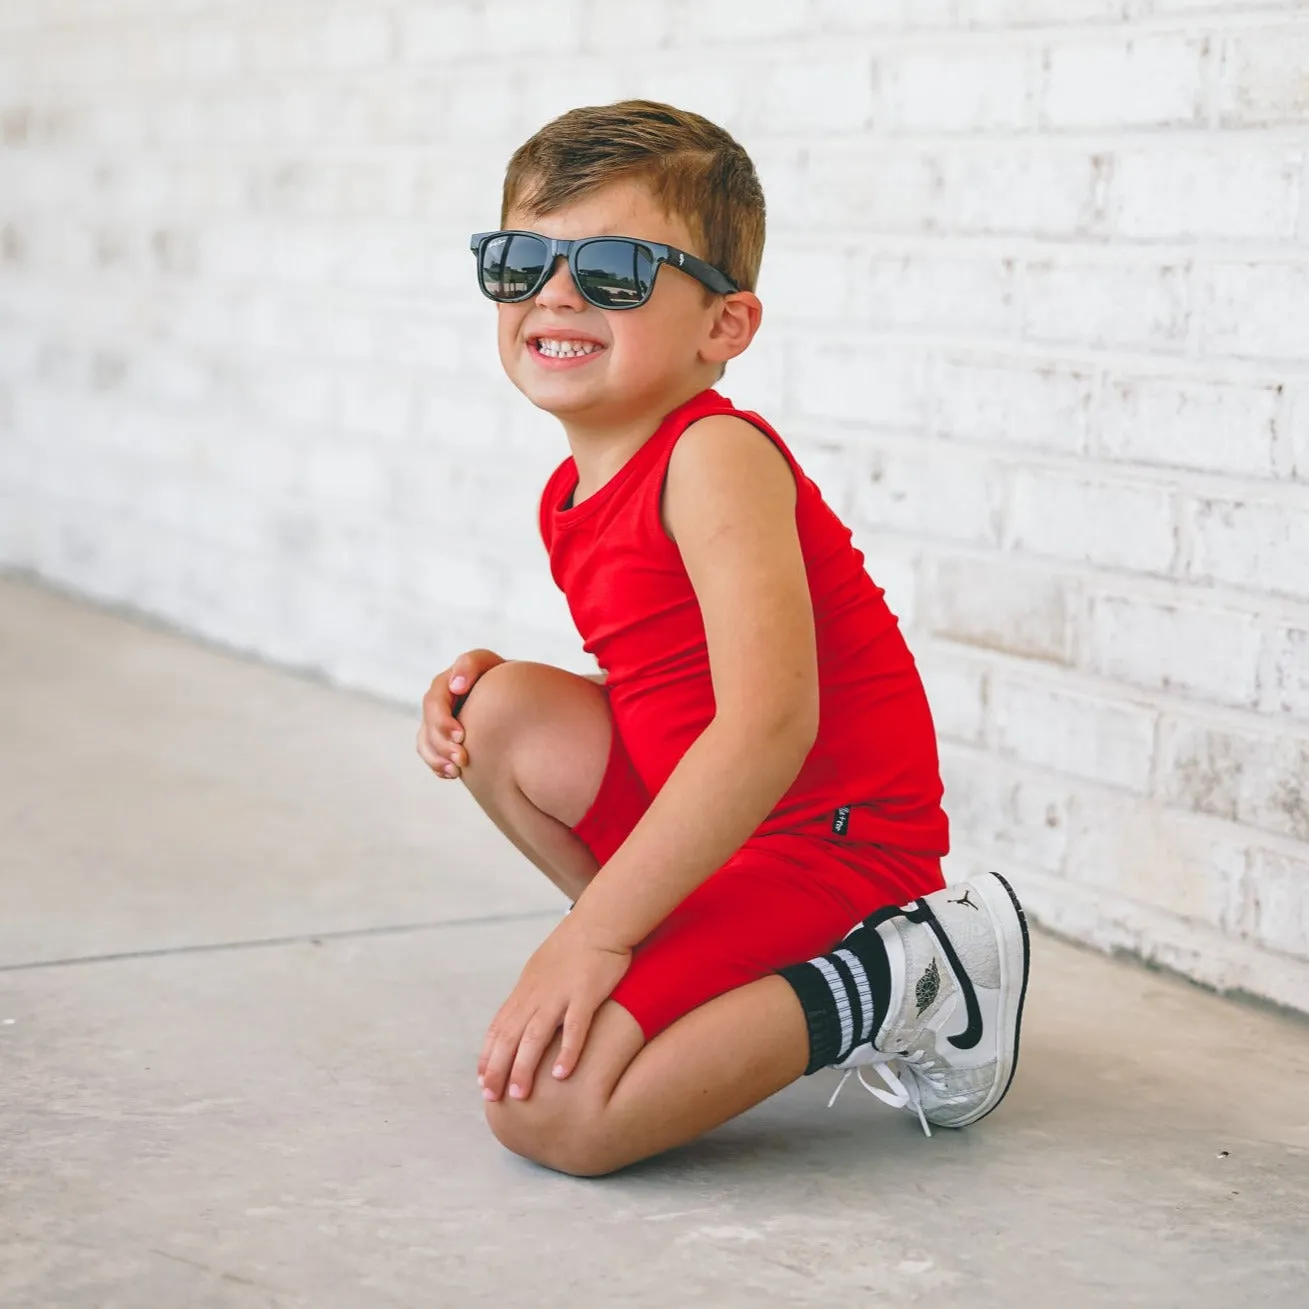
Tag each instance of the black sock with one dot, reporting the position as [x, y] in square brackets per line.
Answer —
[844, 994]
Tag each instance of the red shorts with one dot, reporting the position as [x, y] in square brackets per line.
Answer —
[780, 899]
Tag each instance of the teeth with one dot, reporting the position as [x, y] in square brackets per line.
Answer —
[556, 349]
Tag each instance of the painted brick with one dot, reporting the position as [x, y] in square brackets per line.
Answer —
[1251, 544]
[722, 20]
[475, 424]
[874, 385]
[1221, 427]
[434, 573]
[374, 404]
[346, 476]
[1215, 189]
[1286, 682]
[535, 600]
[1021, 13]
[826, 464]
[794, 270]
[1278, 800]
[1137, 81]
[1011, 816]
[1258, 780]
[893, 563]
[962, 89]
[1295, 445]
[1038, 190]
[758, 379]
[1129, 307]
[354, 38]
[956, 692]
[1042, 189]
[453, 33]
[1203, 770]
[1281, 910]
[864, 185]
[720, 96]
[548, 94]
[1262, 76]
[1222, 8]
[826, 94]
[943, 492]
[997, 605]
[949, 294]
[205, 51]
[841, 18]
[1086, 736]
[1006, 403]
[608, 27]
[1212, 654]
[1092, 520]
[1257, 310]
[1180, 862]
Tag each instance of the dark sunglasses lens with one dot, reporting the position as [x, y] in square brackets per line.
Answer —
[511, 266]
[615, 274]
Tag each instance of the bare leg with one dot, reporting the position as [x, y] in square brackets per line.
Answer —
[628, 1100]
[538, 743]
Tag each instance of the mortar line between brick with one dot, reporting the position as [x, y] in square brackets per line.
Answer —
[302, 938]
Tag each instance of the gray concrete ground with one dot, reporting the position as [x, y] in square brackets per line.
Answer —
[247, 951]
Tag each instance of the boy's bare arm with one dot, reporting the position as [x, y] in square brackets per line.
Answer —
[730, 505]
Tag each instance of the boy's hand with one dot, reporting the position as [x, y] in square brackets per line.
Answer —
[564, 982]
[440, 739]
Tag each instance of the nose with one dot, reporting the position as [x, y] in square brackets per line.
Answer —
[560, 291]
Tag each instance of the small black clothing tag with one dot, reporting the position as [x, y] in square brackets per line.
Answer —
[841, 820]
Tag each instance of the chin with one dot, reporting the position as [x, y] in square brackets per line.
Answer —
[557, 400]
[559, 393]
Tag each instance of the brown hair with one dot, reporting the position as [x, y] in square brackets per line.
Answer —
[693, 167]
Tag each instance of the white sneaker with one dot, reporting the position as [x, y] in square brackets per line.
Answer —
[948, 1047]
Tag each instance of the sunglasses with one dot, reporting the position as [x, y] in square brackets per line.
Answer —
[611, 272]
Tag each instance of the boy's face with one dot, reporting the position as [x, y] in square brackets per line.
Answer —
[640, 357]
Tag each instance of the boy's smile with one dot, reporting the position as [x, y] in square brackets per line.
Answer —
[558, 348]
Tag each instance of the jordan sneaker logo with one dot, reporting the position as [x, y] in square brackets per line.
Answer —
[928, 988]
[921, 912]
[966, 898]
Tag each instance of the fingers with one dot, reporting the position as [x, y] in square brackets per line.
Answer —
[510, 1055]
[440, 743]
[467, 669]
[443, 758]
[577, 1025]
[538, 1034]
[440, 739]
[494, 1062]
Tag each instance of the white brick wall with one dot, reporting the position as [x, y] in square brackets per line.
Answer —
[1038, 320]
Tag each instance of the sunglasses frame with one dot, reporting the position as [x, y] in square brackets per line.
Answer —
[716, 280]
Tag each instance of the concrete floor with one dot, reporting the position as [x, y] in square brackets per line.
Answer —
[247, 952]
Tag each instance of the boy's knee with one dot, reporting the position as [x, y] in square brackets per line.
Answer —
[489, 694]
[494, 705]
[569, 1139]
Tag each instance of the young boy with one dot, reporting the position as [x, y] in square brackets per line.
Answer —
[756, 770]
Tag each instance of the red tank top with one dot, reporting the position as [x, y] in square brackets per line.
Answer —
[873, 772]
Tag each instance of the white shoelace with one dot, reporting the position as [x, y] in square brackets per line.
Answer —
[905, 1076]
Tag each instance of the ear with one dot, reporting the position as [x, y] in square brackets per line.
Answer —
[734, 324]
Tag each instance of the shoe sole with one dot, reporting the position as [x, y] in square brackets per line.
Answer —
[1015, 958]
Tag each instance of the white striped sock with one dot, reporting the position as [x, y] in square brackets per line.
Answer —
[853, 963]
[843, 1012]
